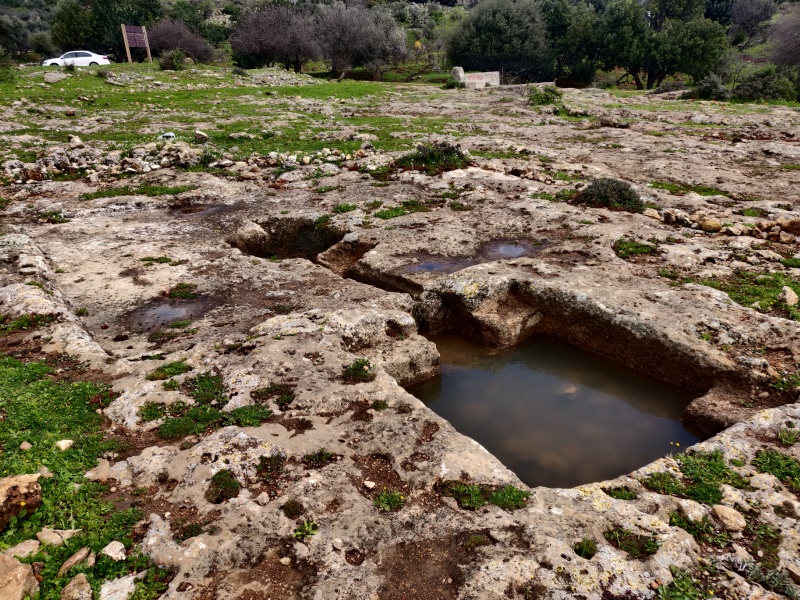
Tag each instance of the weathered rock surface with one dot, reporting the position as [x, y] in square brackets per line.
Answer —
[56, 537]
[77, 589]
[20, 492]
[17, 581]
[118, 589]
[512, 264]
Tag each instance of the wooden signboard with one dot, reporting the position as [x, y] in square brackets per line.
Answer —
[135, 36]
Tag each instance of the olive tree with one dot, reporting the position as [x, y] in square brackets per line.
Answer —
[629, 40]
[504, 35]
[353, 36]
[274, 35]
[747, 15]
[169, 35]
[786, 40]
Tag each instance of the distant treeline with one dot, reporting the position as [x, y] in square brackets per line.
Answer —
[647, 41]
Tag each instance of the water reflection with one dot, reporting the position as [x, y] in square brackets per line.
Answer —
[555, 415]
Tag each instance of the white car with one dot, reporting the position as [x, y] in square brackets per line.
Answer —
[80, 58]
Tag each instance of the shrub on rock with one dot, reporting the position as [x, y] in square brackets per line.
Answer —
[224, 486]
[610, 193]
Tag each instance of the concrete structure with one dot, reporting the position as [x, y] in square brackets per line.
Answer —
[476, 80]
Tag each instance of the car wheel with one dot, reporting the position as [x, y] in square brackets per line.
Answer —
[92, 64]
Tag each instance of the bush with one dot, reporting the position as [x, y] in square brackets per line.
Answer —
[42, 43]
[452, 83]
[172, 60]
[710, 87]
[549, 94]
[610, 193]
[669, 86]
[167, 36]
[434, 159]
[765, 85]
[503, 35]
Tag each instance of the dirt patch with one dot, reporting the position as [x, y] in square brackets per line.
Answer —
[269, 578]
[429, 430]
[377, 469]
[429, 569]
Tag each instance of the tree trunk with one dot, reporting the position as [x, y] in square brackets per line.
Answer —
[638, 81]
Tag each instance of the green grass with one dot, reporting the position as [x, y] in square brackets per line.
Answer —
[621, 493]
[637, 546]
[747, 288]
[9, 324]
[471, 496]
[433, 159]
[142, 190]
[318, 459]
[781, 465]
[389, 500]
[703, 472]
[183, 291]
[204, 418]
[702, 531]
[344, 208]
[152, 411]
[391, 213]
[207, 388]
[791, 167]
[683, 587]
[282, 395]
[509, 498]
[41, 411]
[625, 248]
[169, 370]
[680, 189]
[54, 217]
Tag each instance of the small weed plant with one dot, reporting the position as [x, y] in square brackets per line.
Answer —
[626, 248]
[224, 486]
[360, 371]
[586, 548]
[703, 472]
[169, 370]
[621, 493]
[306, 530]
[388, 501]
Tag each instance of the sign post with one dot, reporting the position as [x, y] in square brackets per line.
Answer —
[135, 36]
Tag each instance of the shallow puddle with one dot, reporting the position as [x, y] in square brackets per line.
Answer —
[555, 415]
[488, 252]
[157, 314]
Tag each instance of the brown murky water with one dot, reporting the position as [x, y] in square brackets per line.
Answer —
[555, 415]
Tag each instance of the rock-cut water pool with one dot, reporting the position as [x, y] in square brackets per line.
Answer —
[555, 415]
